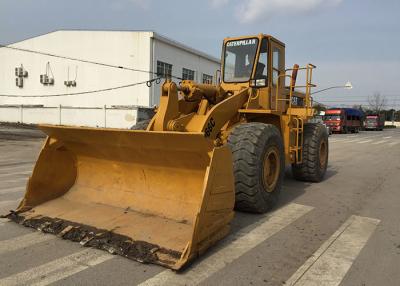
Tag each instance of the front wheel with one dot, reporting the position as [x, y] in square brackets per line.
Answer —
[315, 154]
[258, 165]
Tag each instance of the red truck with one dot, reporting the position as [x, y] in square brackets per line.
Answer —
[343, 120]
[374, 122]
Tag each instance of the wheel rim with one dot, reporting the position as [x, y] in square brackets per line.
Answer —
[271, 169]
[323, 152]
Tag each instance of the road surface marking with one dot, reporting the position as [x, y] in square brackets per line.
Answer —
[5, 175]
[7, 190]
[366, 141]
[356, 140]
[232, 248]
[18, 180]
[3, 221]
[393, 143]
[58, 269]
[11, 204]
[16, 167]
[11, 163]
[23, 241]
[380, 142]
[330, 263]
[387, 137]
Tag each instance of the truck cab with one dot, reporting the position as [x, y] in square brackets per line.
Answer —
[374, 122]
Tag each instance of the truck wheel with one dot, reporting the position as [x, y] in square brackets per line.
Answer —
[315, 154]
[141, 125]
[258, 165]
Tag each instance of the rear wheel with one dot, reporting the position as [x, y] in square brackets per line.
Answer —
[258, 165]
[315, 154]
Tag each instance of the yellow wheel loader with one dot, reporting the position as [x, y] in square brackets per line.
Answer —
[166, 193]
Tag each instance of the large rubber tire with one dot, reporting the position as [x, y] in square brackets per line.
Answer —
[315, 154]
[141, 125]
[258, 165]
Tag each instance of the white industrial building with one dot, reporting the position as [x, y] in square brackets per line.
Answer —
[37, 75]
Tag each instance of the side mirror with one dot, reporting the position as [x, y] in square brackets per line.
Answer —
[262, 82]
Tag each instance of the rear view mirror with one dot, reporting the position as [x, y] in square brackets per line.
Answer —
[258, 82]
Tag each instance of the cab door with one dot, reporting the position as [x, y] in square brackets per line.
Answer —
[277, 67]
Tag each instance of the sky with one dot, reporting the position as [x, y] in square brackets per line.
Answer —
[348, 40]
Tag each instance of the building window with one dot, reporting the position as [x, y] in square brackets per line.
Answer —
[187, 74]
[164, 69]
[207, 78]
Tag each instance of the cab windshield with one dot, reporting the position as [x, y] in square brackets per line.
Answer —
[332, 117]
[239, 58]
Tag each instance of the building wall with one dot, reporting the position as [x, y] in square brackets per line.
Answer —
[181, 58]
[130, 49]
[137, 50]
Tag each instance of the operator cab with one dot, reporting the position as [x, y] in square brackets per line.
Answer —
[240, 54]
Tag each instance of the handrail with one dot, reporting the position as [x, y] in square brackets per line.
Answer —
[308, 100]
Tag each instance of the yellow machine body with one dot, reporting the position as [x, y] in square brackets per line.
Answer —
[166, 194]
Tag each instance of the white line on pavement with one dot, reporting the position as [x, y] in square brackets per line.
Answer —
[17, 180]
[356, 140]
[23, 241]
[393, 143]
[330, 263]
[5, 175]
[337, 140]
[231, 249]
[7, 190]
[58, 269]
[4, 169]
[379, 142]
[3, 221]
[11, 204]
[387, 137]
[365, 141]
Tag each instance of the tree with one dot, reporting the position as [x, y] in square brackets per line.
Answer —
[377, 102]
[359, 107]
[318, 107]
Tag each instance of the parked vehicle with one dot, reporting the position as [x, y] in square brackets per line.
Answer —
[343, 120]
[320, 119]
[374, 122]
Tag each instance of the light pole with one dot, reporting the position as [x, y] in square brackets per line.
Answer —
[348, 85]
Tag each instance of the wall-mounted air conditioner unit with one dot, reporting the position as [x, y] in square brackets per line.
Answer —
[46, 79]
[70, 83]
[18, 72]
[21, 72]
[43, 79]
[19, 81]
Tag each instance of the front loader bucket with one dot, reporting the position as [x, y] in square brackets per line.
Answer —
[156, 197]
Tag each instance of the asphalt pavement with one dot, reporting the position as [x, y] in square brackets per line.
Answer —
[342, 231]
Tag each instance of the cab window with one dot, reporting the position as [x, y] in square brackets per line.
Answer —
[239, 59]
[262, 70]
[276, 57]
